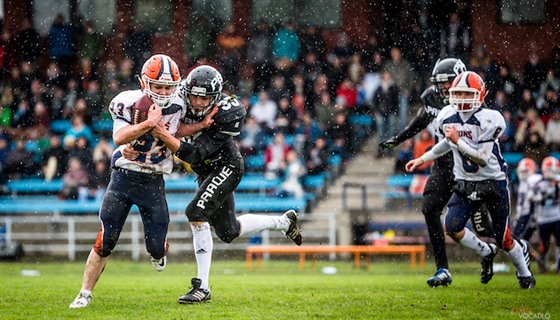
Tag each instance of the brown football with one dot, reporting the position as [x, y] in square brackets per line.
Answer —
[140, 109]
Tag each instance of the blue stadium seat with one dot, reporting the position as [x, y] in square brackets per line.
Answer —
[60, 126]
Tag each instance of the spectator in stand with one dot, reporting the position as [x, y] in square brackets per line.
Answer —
[62, 43]
[527, 102]
[371, 48]
[91, 45]
[54, 159]
[404, 155]
[385, 108]
[259, 55]
[499, 102]
[311, 69]
[275, 157]
[199, 39]
[325, 110]
[535, 147]
[27, 42]
[482, 63]
[126, 74]
[74, 179]
[103, 150]
[54, 77]
[341, 136]
[507, 140]
[555, 61]
[335, 71]
[97, 183]
[552, 135]
[422, 145]
[317, 159]
[41, 122]
[278, 88]
[81, 150]
[531, 123]
[547, 103]
[455, 39]
[7, 54]
[264, 111]
[137, 46]
[251, 138]
[291, 185]
[230, 45]
[347, 91]
[306, 132]
[23, 76]
[534, 73]
[7, 103]
[356, 68]
[402, 74]
[287, 118]
[19, 162]
[22, 119]
[343, 49]
[94, 100]
[78, 128]
[508, 84]
[312, 42]
[286, 46]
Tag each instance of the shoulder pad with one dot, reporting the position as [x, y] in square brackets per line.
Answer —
[433, 99]
[229, 110]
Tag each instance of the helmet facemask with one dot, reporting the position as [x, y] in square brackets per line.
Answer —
[162, 101]
[464, 104]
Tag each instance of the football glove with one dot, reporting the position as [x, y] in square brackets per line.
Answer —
[388, 144]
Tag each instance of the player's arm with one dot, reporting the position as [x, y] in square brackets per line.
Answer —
[437, 151]
[134, 131]
[190, 129]
[419, 123]
[479, 156]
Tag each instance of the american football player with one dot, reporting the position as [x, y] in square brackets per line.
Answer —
[139, 182]
[219, 166]
[472, 133]
[440, 184]
[546, 196]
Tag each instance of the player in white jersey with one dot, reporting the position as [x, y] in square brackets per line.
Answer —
[472, 133]
[139, 182]
[525, 222]
[545, 193]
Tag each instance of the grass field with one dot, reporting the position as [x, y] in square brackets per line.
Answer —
[130, 290]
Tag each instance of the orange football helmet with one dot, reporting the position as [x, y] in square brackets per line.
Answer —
[160, 69]
[550, 167]
[467, 82]
[525, 168]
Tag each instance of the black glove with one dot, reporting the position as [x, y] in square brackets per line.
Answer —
[388, 144]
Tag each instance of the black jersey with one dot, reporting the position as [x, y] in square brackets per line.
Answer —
[215, 145]
[433, 103]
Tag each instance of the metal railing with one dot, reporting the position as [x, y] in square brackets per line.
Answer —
[69, 235]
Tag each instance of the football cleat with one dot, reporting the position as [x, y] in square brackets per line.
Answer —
[196, 295]
[159, 264]
[82, 300]
[441, 278]
[293, 232]
[527, 282]
[487, 262]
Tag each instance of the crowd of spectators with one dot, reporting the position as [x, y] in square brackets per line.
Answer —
[293, 84]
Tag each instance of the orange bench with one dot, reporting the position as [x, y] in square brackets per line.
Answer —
[412, 250]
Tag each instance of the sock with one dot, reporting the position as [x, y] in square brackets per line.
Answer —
[85, 292]
[203, 245]
[253, 223]
[518, 259]
[470, 240]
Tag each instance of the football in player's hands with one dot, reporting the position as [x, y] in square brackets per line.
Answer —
[140, 109]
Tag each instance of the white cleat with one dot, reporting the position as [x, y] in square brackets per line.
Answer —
[159, 265]
[81, 301]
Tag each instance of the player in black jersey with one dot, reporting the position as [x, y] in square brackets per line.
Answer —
[439, 186]
[219, 165]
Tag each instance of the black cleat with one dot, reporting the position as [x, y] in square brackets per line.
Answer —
[527, 282]
[196, 295]
[293, 232]
[487, 262]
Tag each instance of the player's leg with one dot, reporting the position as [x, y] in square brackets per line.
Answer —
[113, 213]
[459, 212]
[556, 233]
[437, 191]
[545, 232]
[287, 223]
[517, 251]
[154, 212]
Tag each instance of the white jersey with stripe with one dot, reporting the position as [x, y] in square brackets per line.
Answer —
[524, 192]
[548, 206]
[481, 130]
[154, 157]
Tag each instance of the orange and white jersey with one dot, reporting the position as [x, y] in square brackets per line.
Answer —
[546, 195]
[479, 133]
[524, 205]
[154, 157]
